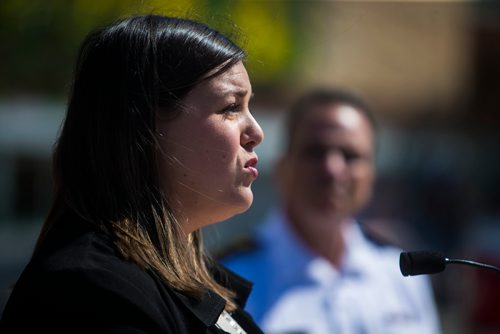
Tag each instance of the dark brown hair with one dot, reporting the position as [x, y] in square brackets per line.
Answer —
[105, 160]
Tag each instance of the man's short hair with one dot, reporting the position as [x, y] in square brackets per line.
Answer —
[324, 97]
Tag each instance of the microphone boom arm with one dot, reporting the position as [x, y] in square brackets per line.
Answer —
[473, 263]
[428, 262]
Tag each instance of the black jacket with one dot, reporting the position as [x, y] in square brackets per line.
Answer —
[78, 283]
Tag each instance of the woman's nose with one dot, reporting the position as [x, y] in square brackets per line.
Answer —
[252, 134]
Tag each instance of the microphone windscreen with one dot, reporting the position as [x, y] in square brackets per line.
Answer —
[422, 262]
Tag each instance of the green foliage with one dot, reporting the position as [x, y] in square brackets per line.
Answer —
[40, 38]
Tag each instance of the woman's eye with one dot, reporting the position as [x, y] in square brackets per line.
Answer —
[233, 107]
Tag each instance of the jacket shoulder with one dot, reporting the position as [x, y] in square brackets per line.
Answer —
[85, 283]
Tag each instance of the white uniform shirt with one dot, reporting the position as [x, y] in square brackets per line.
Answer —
[296, 291]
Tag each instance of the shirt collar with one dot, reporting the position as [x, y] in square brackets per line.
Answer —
[285, 248]
[362, 256]
[353, 262]
[307, 265]
[357, 256]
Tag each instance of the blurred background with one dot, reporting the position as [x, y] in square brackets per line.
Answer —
[431, 70]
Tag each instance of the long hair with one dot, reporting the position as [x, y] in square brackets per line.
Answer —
[105, 159]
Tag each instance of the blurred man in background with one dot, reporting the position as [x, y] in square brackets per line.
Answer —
[315, 268]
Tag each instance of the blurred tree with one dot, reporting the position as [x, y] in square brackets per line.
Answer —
[40, 38]
[271, 32]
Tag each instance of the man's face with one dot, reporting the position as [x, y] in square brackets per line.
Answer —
[330, 167]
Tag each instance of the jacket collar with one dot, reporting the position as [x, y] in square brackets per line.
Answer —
[207, 309]
[233, 282]
[210, 306]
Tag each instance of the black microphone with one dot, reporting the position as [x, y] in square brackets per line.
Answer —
[426, 262]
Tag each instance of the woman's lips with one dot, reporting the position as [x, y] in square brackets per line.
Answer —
[251, 166]
[254, 171]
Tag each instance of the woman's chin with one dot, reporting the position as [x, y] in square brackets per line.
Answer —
[241, 205]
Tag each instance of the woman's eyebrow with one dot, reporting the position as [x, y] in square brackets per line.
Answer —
[240, 92]
[244, 92]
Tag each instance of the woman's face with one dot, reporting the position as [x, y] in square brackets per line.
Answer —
[207, 157]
